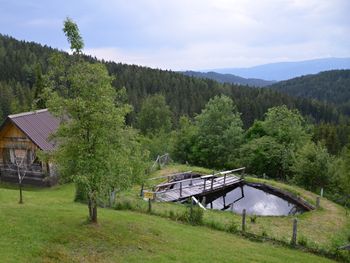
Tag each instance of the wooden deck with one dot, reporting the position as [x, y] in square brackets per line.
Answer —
[178, 190]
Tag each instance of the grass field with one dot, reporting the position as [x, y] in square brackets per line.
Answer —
[50, 227]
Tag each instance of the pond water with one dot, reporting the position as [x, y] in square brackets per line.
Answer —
[255, 201]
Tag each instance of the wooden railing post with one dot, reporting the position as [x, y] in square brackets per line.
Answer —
[224, 179]
[180, 189]
[205, 182]
[243, 220]
[212, 183]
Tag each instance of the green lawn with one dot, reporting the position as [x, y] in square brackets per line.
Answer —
[50, 227]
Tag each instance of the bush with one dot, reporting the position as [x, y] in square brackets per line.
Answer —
[233, 227]
[253, 218]
[193, 215]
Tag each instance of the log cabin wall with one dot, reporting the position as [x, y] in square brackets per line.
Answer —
[14, 141]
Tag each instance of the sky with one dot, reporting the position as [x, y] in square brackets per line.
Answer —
[188, 34]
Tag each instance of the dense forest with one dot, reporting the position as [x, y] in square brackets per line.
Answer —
[329, 86]
[23, 63]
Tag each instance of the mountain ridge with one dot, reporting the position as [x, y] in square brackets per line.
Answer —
[286, 70]
[228, 78]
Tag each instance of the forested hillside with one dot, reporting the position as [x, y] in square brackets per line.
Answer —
[329, 86]
[228, 78]
[22, 65]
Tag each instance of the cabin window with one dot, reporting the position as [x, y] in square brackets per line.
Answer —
[11, 154]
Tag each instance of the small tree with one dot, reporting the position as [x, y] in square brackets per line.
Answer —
[312, 166]
[155, 116]
[95, 148]
[22, 164]
[219, 133]
[183, 140]
[264, 156]
[273, 142]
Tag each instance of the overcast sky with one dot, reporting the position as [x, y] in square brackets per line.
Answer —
[188, 34]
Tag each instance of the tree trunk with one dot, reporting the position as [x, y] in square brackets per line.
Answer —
[90, 208]
[94, 214]
[92, 204]
[20, 193]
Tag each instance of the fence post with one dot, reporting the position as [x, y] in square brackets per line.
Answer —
[205, 182]
[212, 183]
[224, 179]
[243, 220]
[295, 229]
[180, 189]
[317, 202]
[141, 192]
[149, 205]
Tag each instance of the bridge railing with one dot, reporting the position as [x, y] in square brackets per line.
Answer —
[158, 189]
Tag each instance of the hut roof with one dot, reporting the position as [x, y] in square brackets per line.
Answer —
[37, 125]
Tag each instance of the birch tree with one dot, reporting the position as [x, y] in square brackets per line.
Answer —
[22, 163]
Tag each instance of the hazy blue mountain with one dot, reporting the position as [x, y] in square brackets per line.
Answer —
[287, 70]
[229, 78]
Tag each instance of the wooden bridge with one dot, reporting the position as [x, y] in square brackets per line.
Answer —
[178, 187]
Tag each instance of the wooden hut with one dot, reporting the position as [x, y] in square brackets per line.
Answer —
[21, 136]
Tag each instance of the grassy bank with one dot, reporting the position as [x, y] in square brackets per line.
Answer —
[50, 227]
[324, 229]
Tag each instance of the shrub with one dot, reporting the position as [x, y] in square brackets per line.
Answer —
[253, 218]
[193, 215]
[233, 227]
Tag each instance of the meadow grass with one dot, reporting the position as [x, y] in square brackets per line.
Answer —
[50, 227]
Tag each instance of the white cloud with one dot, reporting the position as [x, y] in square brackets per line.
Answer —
[191, 34]
[208, 34]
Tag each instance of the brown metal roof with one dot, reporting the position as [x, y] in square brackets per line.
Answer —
[38, 126]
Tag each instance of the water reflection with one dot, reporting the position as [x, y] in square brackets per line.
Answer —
[255, 201]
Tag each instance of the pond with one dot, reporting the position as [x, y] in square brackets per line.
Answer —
[254, 200]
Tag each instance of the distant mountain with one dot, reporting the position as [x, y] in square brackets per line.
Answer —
[229, 78]
[329, 86]
[287, 70]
